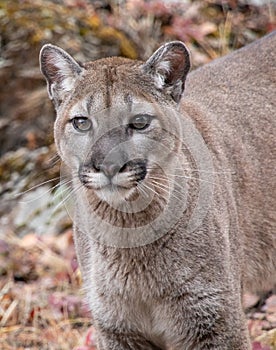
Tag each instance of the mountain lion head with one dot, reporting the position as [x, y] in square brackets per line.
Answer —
[119, 132]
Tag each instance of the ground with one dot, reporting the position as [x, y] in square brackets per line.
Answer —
[42, 305]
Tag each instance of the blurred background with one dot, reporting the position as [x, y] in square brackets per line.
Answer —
[40, 295]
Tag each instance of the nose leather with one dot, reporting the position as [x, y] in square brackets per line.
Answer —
[110, 169]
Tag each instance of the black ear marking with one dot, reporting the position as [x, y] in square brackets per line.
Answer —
[169, 66]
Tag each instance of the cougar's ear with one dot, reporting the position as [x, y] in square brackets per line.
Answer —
[169, 66]
[60, 71]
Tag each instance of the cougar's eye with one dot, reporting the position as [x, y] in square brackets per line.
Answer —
[82, 124]
[140, 121]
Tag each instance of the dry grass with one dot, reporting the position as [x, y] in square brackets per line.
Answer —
[41, 300]
[42, 304]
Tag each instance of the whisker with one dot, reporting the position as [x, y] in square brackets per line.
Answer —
[166, 189]
[173, 183]
[151, 189]
[162, 195]
[193, 178]
[72, 191]
[53, 160]
[194, 170]
[36, 186]
[206, 171]
[44, 193]
[62, 184]
[169, 180]
[140, 187]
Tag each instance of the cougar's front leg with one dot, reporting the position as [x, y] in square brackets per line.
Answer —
[210, 318]
[118, 341]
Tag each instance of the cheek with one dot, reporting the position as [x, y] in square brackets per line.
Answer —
[172, 143]
[157, 145]
[74, 150]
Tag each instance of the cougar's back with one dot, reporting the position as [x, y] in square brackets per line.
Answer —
[235, 99]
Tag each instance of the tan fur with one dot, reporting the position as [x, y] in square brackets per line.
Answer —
[183, 290]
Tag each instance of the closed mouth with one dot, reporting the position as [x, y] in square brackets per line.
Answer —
[114, 187]
[128, 177]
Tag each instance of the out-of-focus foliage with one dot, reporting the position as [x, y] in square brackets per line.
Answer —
[39, 281]
[89, 30]
[94, 29]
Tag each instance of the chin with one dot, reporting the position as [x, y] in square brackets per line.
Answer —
[116, 195]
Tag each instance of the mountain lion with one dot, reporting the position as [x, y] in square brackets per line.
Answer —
[174, 213]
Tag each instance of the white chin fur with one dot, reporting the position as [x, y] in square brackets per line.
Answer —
[114, 195]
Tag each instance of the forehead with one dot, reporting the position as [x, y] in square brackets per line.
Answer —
[108, 84]
[94, 105]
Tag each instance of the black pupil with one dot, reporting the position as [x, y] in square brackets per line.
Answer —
[82, 123]
[140, 122]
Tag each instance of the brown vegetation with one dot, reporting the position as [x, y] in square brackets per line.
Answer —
[41, 301]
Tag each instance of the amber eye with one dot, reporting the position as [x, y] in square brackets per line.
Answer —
[140, 121]
[82, 124]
